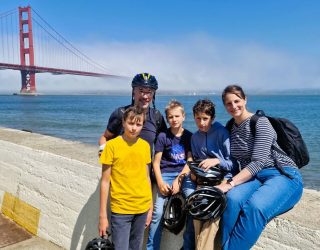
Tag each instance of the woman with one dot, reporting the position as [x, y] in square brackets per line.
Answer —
[259, 192]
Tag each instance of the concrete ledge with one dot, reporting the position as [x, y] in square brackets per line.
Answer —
[35, 243]
[61, 179]
[296, 229]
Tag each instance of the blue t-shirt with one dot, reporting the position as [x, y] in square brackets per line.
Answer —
[174, 150]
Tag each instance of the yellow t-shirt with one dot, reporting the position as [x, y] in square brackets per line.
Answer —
[130, 191]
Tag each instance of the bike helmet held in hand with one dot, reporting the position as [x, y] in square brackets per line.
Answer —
[206, 203]
[213, 176]
[174, 215]
[145, 80]
[100, 243]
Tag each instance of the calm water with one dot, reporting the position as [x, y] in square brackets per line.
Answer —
[84, 118]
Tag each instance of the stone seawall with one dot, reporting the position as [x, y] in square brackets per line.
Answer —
[50, 187]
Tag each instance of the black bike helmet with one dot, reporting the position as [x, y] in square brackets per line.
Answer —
[100, 243]
[145, 80]
[213, 176]
[174, 214]
[206, 203]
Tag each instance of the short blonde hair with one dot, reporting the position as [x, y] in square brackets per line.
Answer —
[172, 105]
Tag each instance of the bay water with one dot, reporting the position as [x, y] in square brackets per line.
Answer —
[84, 117]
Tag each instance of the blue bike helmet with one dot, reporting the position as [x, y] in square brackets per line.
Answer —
[145, 80]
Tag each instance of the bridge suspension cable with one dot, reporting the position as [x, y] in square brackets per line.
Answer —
[31, 45]
[51, 49]
[66, 44]
[9, 38]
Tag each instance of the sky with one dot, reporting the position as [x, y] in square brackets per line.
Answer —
[188, 44]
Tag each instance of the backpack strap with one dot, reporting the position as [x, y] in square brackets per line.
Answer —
[253, 122]
[254, 119]
[158, 119]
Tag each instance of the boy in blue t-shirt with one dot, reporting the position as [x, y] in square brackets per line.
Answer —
[172, 150]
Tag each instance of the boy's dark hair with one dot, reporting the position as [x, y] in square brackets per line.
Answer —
[204, 106]
[132, 113]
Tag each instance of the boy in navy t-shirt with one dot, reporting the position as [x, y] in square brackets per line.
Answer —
[172, 150]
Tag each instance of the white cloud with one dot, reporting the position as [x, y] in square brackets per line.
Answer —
[201, 62]
[194, 62]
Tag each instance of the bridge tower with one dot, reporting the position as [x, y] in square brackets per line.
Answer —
[28, 76]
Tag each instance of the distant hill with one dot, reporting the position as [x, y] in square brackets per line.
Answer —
[183, 92]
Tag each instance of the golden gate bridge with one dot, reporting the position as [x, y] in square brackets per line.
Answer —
[31, 45]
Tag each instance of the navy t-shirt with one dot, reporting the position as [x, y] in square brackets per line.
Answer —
[174, 150]
[153, 125]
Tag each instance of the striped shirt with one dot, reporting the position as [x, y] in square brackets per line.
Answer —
[256, 153]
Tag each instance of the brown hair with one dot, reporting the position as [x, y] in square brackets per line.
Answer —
[204, 106]
[233, 89]
[134, 113]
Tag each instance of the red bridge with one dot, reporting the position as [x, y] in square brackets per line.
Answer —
[24, 32]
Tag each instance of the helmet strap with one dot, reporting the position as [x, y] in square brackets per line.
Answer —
[132, 98]
[154, 100]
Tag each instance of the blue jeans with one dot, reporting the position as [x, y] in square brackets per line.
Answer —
[251, 205]
[154, 238]
[127, 230]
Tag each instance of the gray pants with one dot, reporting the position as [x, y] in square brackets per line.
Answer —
[128, 230]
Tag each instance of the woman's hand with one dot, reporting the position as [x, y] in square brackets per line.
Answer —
[103, 225]
[243, 176]
[208, 163]
[224, 187]
[165, 189]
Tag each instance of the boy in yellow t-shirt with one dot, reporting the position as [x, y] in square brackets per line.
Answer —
[125, 172]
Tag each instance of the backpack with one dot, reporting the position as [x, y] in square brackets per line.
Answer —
[289, 137]
[158, 119]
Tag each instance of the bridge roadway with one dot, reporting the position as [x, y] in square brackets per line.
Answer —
[38, 69]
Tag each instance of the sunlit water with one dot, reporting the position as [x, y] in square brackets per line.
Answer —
[84, 118]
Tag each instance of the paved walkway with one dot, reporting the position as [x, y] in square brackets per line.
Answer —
[13, 237]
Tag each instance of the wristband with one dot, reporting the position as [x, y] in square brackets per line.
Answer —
[101, 147]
